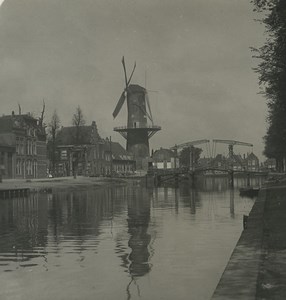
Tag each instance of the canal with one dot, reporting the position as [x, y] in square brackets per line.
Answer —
[124, 242]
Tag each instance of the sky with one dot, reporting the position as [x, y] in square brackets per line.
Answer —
[193, 55]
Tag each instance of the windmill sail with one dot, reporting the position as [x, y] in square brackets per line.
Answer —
[119, 105]
[123, 96]
[149, 107]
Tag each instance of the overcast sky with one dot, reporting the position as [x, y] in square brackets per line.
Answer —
[195, 53]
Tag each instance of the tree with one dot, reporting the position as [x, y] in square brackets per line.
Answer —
[78, 121]
[272, 76]
[53, 128]
[185, 156]
[78, 118]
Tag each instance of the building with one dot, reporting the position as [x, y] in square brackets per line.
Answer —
[251, 162]
[220, 162]
[23, 147]
[165, 159]
[81, 151]
[123, 162]
[140, 127]
[7, 155]
[238, 163]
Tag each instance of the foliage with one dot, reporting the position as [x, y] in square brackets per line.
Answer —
[78, 118]
[53, 128]
[54, 125]
[185, 156]
[272, 75]
[78, 121]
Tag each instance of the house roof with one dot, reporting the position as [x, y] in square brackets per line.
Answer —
[10, 123]
[119, 153]
[219, 157]
[252, 156]
[6, 124]
[238, 159]
[7, 140]
[86, 135]
[163, 154]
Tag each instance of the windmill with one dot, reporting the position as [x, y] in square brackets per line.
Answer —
[138, 130]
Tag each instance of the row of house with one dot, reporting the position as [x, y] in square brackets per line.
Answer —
[168, 159]
[86, 153]
[23, 151]
[79, 150]
[249, 162]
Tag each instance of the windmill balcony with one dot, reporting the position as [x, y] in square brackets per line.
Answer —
[151, 127]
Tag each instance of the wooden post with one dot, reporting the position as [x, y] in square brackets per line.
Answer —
[158, 180]
[231, 183]
[176, 180]
[231, 204]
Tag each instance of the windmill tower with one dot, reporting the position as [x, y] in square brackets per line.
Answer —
[140, 127]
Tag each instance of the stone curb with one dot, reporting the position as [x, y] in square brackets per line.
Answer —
[239, 279]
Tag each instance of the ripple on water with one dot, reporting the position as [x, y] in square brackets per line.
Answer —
[120, 242]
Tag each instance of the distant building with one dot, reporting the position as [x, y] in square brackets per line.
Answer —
[81, 151]
[238, 163]
[165, 159]
[220, 162]
[204, 162]
[23, 147]
[122, 161]
[7, 155]
[270, 164]
[251, 162]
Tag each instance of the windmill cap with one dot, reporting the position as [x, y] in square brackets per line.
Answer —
[135, 88]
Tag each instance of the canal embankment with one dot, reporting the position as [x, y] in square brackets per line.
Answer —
[51, 184]
[257, 266]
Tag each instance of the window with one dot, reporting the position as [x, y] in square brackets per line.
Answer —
[35, 168]
[28, 167]
[28, 147]
[17, 146]
[18, 167]
[63, 154]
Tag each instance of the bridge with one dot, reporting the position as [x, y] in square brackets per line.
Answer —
[165, 175]
[231, 165]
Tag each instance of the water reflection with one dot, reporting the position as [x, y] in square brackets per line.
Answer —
[214, 183]
[138, 222]
[23, 228]
[128, 242]
[231, 202]
[136, 258]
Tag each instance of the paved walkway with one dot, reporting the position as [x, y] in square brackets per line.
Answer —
[257, 267]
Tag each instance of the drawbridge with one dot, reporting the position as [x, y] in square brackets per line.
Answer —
[211, 164]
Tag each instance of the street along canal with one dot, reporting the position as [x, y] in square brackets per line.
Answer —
[124, 242]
